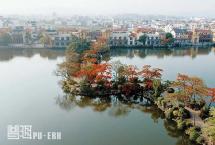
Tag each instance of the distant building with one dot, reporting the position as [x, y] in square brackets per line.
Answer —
[106, 33]
[152, 40]
[132, 40]
[17, 35]
[169, 29]
[146, 30]
[61, 40]
[94, 34]
[67, 30]
[202, 37]
[120, 38]
[4, 30]
[51, 32]
[182, 37]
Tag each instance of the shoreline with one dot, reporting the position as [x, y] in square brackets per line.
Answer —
[115, 47]
[163, 47]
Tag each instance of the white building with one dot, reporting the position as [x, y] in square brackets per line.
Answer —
[120, 38]
[169, 29]
[152, 40]
[61, 40]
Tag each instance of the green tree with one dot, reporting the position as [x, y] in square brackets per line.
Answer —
[169, 36]
[156, 86]
[5, 39]
[142, 39]
[28, 38]
[45, 39]
[209, 129]
[116, 66]
[197, 88]
[168, 40]
[79, 45]
[188, 89]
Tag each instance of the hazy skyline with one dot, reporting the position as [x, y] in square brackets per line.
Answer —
[103, 7]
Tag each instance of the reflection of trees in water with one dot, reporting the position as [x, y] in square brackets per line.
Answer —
[69, 102]
[161, 52]
[213, 49]
[172, 131]
[65, 102]
[155, 112]
[7, 54]
[116, 108]
[183, 140]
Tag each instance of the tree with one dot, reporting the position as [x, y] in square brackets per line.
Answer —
[70, 66]
[131, 72]
[91, 70]
[103, 72]
[180, 85]
[45, 39]
[5, 39]
[169, 36]
[28, 38]
[189, 88]
[122, 71]
[142, 39]
[79, 45]
[100, 45]
[168, 40]
[209, 130]
[212, 95]
[149, 74]
[156, 86]
[94, 72]
[116, 67]
[197, 88]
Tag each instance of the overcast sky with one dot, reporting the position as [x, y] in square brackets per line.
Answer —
[85, 7]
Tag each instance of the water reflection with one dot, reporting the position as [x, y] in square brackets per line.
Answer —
[69, 102]
[7, 54]
[173, 132]
[161, 53]
[116, 109]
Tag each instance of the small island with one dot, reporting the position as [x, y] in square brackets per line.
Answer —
[187, 101]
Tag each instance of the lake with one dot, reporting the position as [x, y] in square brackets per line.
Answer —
[31, 95]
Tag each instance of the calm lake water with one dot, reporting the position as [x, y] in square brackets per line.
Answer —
[30, 95]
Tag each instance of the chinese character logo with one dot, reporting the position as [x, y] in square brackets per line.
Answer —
[16, 132]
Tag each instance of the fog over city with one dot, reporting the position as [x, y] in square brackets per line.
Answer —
[105, 7]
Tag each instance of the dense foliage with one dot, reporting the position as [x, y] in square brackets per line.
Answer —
[86, 73]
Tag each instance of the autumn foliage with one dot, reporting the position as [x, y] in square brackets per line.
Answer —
[190, 90]
[90, 71]
[211, 93]
[149, 74]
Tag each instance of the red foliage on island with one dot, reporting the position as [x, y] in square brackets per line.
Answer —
[212, 94]
[151, 73]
